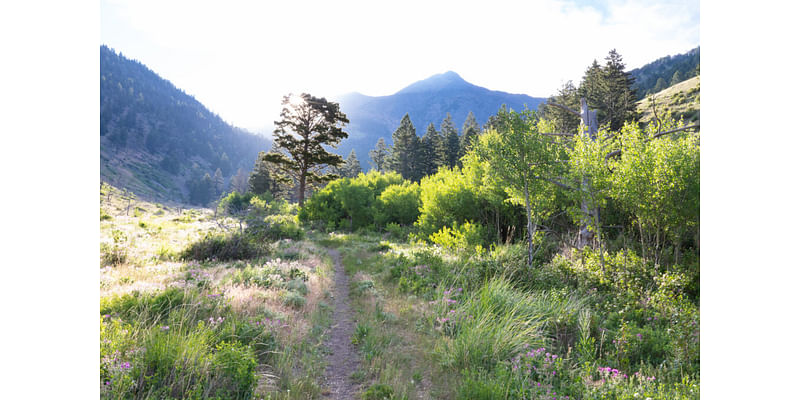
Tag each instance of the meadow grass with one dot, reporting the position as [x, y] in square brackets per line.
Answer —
[207, 328]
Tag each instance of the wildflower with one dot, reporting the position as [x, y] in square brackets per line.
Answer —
[125, 365]
[165, 328]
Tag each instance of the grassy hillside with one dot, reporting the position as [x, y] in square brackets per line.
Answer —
[681, 100]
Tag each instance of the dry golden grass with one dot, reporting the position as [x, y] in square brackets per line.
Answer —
[155, 234]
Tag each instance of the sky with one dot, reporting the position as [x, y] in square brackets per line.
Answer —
[239, 58]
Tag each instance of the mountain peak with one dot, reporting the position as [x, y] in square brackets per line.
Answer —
[438, 82]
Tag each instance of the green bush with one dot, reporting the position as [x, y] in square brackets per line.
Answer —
[456, 196]
[279, 227]
[348, 203]
[467, 236]
[398, 204]
[378, 391]
[265, 277]
[221, 248]
[234, 367]
[297, 286]
[294, 300]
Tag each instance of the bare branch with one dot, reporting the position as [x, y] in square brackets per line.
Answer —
[657, 135]
[565, 108]
[558, 134]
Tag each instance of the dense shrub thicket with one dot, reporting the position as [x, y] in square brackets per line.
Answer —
[646, 192]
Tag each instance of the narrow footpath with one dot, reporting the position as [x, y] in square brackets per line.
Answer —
[344, 359]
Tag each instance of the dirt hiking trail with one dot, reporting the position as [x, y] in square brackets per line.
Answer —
[344, 359]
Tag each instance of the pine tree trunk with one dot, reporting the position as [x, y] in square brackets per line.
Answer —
[301, 196]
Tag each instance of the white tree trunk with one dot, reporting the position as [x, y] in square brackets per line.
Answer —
[589, 120]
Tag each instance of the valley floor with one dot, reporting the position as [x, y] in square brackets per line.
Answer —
[346, 316]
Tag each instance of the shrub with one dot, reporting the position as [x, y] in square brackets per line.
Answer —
[116, 253]
[348, 203]
[276, 227]
[265, 277]
[221, 248]
[467, 236]
[294, 300]
[398, 204]
[297, 286]
[234, 367]
[378, 391]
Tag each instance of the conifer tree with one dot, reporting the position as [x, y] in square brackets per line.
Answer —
[619, 97]
[469, 131]
[261, 179]
[307, 123]
[431, 155]
[661, 84]
[239, 182]
[351, 167]
[404, 158]
[219, 183]
[591, 87]
[379, 156]
[564, 121]
[225, 163]
[676, 78]
[201, 191]
[609, 90]
[451, 142]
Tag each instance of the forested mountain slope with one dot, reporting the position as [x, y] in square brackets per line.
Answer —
[665, 72]
[159, 142]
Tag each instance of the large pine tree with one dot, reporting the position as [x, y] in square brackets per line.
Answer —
[451, 143]
[405, 158]
[609, 90]
[620, 99]
[431, 156]
[307, 123]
